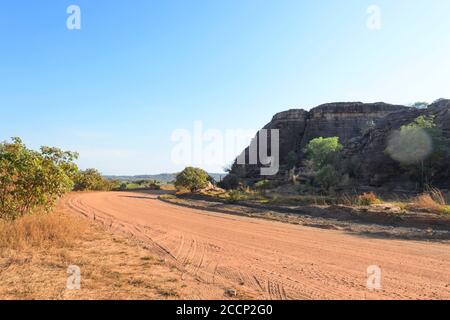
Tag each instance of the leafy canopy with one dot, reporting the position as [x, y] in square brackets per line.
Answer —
[192, 179]
[321, 151]
[91, 179]
[30, 179]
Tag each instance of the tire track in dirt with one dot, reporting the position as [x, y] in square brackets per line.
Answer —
[265, 259]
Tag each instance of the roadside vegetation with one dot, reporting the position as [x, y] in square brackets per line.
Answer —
[136, 185]
[37, 250]
[32, 181]
[38, 242]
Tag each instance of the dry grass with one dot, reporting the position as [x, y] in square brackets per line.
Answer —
[432, 201]
[36, 251]
[40, 230]
[367, 199]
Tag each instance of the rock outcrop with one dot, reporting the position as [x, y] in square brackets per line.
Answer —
[363, 129]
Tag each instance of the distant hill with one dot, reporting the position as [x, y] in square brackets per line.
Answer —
[162, 177]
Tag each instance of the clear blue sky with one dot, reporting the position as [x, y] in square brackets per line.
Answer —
[137, 70]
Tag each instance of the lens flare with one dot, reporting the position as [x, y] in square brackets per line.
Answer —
[410, 145]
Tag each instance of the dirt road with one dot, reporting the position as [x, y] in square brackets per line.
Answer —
[271, 260]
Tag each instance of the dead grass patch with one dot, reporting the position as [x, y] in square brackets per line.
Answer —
[36, 251]
[430, 203]
[40, 230]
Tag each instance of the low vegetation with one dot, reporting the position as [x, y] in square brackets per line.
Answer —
[32, 181]
[367, 199]
[37, 250]
[40, 230]
[141, 184]
[432, 201]
[192, 179]
[91, 180]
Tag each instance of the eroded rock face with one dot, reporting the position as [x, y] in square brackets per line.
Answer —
[375, 167]
[363, 129]
[345, 120]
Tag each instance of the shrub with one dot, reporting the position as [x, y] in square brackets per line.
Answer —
[367, 199]
[262, 185]
[32, 179]
[123, 187]
[192, 179]
[445, 210]
[91, 180]
[234, 196]
[427, 203]
[327, 177]
[230, 181]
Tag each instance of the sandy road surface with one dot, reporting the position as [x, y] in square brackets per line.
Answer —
[271, 260]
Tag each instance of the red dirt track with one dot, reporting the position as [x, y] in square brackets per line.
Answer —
[270, 260]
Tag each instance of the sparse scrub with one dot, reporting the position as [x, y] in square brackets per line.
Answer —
[446, 210]
[426, 202]
[40, 230]
[367, 199]
[234, 196]
[231, 181]
[262, 186]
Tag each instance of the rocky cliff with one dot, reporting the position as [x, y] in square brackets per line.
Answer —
[363, 129]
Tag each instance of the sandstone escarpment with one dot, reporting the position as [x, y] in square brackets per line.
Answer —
[375, 167]
[363, 129]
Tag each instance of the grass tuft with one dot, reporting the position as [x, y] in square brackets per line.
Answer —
[40, 230]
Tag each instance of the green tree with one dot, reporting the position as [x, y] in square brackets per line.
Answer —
[31, 180]
[92, 180]
[192, 179]
[322, 151]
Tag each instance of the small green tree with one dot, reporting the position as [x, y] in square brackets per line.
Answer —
[192, 179]
[322, 151]
[92, 180]
[323, 154]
